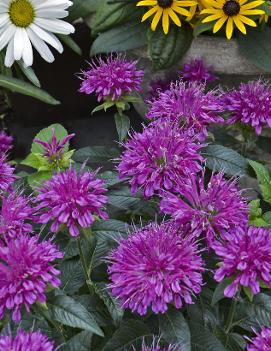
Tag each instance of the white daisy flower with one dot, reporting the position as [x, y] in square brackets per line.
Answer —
[24, 23]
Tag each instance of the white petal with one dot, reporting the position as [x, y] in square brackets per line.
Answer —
[9, 59]
[48, 37]
[18, 43]
[27, 51]
[55, 26]
[7, 34]
[40, 46]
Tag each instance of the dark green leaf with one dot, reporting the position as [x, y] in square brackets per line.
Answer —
[203, 339]
[95, 154]
[30, 74]
[82, 8]
[167, 50]
[80, 342]
[264, 179]
[72, 276]
[122, 124]
[202, 27]
[67, 40]
[219, 290]
[221, 158]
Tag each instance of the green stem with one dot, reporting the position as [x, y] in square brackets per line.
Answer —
[231, 314]
[84, 265]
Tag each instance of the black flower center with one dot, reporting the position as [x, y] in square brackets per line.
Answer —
[231, 8]
[164, 3]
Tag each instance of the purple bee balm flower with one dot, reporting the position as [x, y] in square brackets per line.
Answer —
[111, 78]
[15, 215]
[158, 85]
[156, 266]
[5, 142]
[197, 71]
[250, 105]
[246, 258]
[189, 105]
[156, 157]
[54, 149]
[262, 341]
[26, 341]
[73, 199]
[208, 209]
[6, 174]
[25, 273]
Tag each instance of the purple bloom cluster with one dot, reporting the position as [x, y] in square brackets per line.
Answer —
[250, 104]
[156, 266]
[25, 273]
[189, 105]
[6, 174]
[208, 209]
[5, 142]
[15, 214]
[26, 341]
[197, 71]
[54, 149]
[73, 199]
[262, 341]
[156, 157]
[111, 78]
[246, 258]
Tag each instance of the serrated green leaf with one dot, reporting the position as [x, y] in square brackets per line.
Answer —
[34, 160]
[122, 124]
[72, 276]
[82, 9]
[80, 342]
[35, 180]
[219, 290]
[264, 179]
[203, 339]
[95, 154]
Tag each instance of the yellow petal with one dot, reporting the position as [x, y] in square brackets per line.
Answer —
[214, 4]
[174, 17]
[239, 25]
[186, 3]
[192, 12]
[149, 13]
[242, 2]
[147, 3]
[211, 11]
[180, 10]
[165, 21]
[251, 12]
[252, 5]
[212, 17]
[156, 18]
[219, 24]
[247, 21]
[229, 28]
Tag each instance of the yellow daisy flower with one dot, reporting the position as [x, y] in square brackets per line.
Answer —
[232, 12]
[166, 9]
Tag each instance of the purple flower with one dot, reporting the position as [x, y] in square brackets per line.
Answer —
[250, 104]
[208, 209]
[111, 78]
[246, 258]
[156, 266]
[197, 71]
[156, 157]
[54, 149]
[262, 341]
[189, 105]
[26, 341]
[25, 273]
[5, 142]
[73, 199]
[15, 215]
[6, 174]
[158, 85]
[156, 347]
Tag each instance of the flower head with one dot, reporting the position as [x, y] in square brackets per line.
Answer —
[158, 85]
[232, 12]
[29, 22]
[156, 157]
[25, 272]
[262, 341]
[167, 10]
[197, 71]
[250, 105]
[189, 105]
[111, 78]
[6, 174]
[73, 199]
[156, 266]
[5, 142]
[26, 341]
[208, 209]
[15, 215]
[246, 258]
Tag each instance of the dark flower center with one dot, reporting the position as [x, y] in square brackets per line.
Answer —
[231, 8]
[165, 3]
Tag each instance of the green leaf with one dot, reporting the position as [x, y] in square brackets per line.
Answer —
[111, 178]
[46, 135]
[69, 312]
[82, 9]
[221, 158]
[29, 73]
[121, 38]
[167, 50]
[219, 290]
[34, 160]
[129, 333]
[202, 27]
[72, 276]
[264, 179]
[122, 124]
[203, 339]
[267, 217]
[80, 342]
[174, 329]
[36, 179]
[18, 86]
[248, 293]
[256, 47]
[95, 154]
[70, 43]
